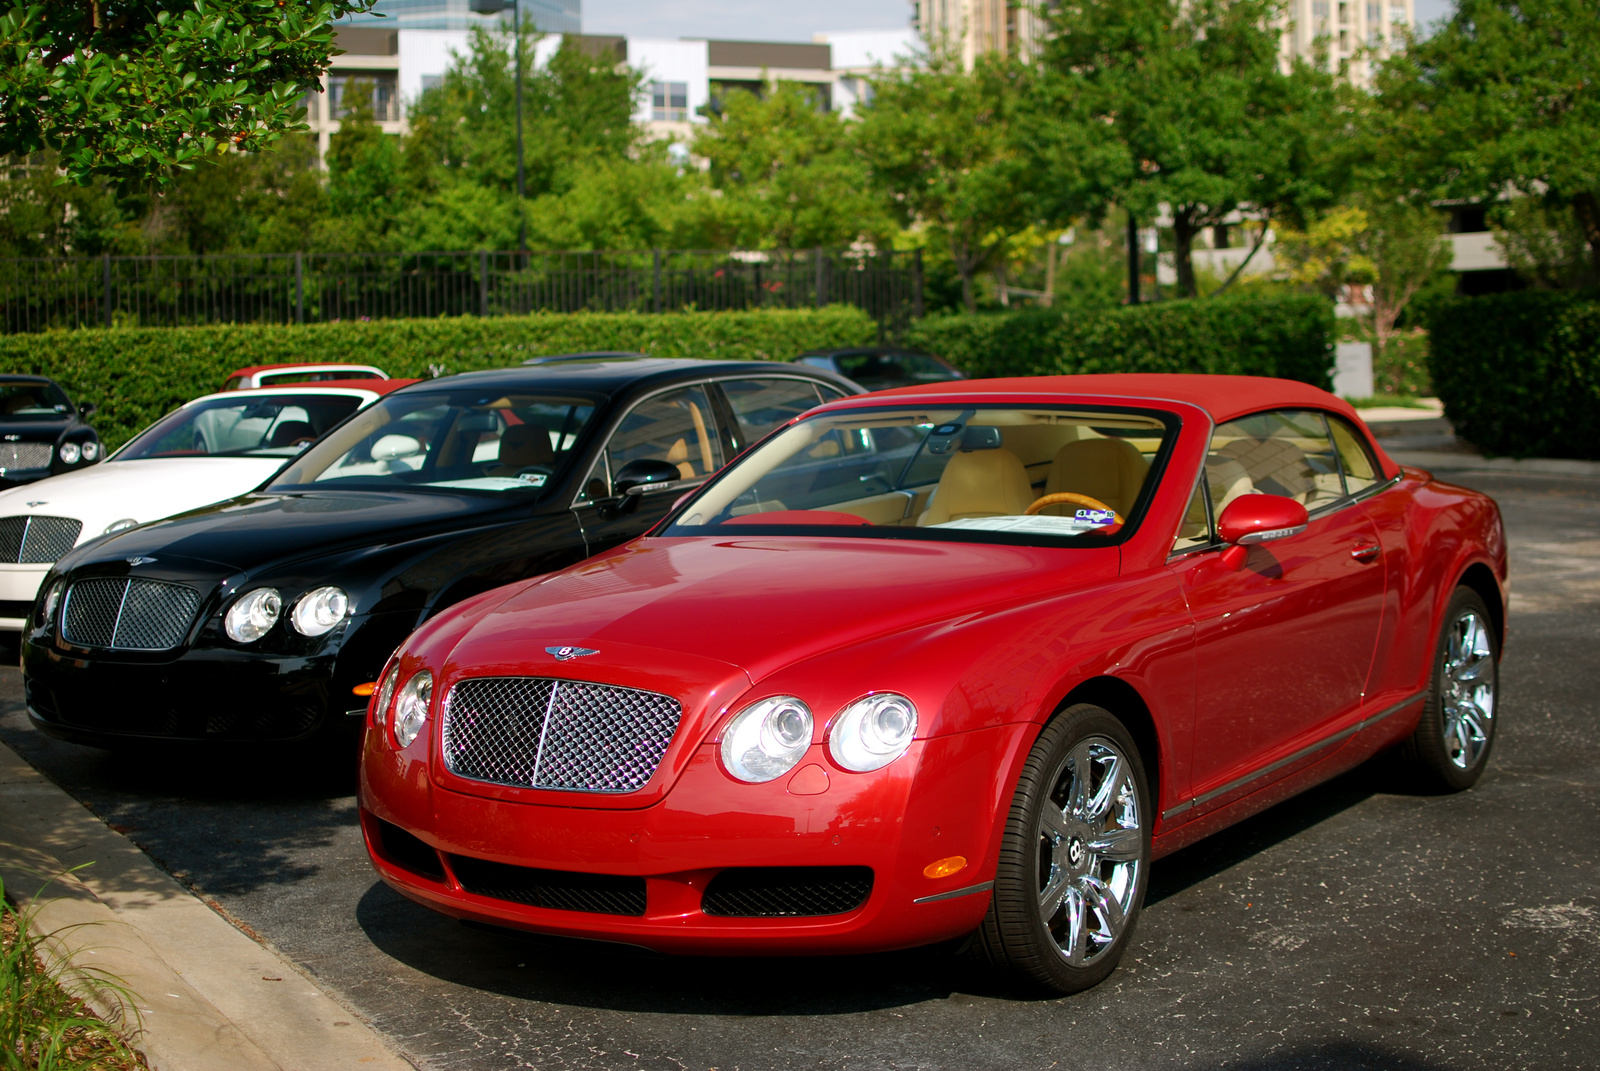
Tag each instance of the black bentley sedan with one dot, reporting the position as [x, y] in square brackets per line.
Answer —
[41, 432]
[267, 617]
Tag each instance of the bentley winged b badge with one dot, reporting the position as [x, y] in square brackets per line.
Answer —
[566, 654]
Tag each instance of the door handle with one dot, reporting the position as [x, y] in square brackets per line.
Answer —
[1365, 552]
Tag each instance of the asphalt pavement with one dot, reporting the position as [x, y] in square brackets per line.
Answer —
[1360, 925]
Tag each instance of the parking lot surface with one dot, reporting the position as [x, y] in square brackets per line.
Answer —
[1357, 926]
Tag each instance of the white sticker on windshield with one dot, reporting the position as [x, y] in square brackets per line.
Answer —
[1040, 524]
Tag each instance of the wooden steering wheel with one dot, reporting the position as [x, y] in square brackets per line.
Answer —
[1077, 499]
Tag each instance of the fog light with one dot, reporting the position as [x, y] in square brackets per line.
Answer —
[253, 615]
[380, 712]
[69, 453]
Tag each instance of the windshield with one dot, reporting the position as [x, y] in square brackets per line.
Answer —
[461, 440]
[276, 425]
[25, 400]
[880, 371]
[1034, 475]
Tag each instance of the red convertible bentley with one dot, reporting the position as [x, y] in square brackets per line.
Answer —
[950, 660]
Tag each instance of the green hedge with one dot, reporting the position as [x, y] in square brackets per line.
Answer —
[1288, 336]
[1519, 373]
[135, 375]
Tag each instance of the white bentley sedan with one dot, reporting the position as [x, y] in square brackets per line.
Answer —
[206, 451]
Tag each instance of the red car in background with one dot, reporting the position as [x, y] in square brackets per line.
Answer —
[950, 660]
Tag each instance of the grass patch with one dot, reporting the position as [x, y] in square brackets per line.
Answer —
[44, 1023]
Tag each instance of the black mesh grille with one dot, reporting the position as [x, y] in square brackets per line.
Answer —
[21, 457]
[46, 539]
[787, 891]
[408, 851]
[12, 530]
[128, 614]
[597, 894]
[536, 732]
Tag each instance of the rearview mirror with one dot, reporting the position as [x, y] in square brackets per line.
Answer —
[642, 474]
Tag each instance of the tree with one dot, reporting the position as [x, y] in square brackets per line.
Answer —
[132, 89]
[1543, 243]
[1207, 120]
[788, 173]
[943, 147]
[1504, 98]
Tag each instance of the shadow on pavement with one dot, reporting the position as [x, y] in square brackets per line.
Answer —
[594, 975]
[1335, 1056]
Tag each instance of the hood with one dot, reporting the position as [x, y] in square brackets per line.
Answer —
[259, 529]
[762, 603]
[144, 490]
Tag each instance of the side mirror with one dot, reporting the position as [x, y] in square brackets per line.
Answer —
[639, 476]
[1252, 519]
[86, 410]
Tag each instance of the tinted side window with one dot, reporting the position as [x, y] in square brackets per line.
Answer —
[761, 405]
[1195, 528]
[1360, 470]
[1286, 452]
[675, 427]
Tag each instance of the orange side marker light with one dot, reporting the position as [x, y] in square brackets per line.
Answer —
[364, 690]
[943, 868]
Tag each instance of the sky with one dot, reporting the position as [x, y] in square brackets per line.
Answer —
[741, 20]
[771, 20]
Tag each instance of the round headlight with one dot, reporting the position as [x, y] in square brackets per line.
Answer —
[766, 739]
[249, 619]
[117, 526]
[319, 611]
[91, 450]
[52, 599]
[411, 709]
[873, 732]
[69, 453]
[380, 713]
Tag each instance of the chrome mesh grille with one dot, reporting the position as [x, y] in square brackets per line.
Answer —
[536, 732]
[20, 456]
[37, 540]
[128, 614]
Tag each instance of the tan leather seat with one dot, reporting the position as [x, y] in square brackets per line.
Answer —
[678, 454]
[1106, 469]
[1275, 466]
[522, 446]
[979, 483]
[1228, 480]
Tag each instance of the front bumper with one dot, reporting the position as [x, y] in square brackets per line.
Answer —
[19, 587]
[937, 801]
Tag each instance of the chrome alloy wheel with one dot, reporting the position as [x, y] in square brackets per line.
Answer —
[1090, 842]
[1466, 690]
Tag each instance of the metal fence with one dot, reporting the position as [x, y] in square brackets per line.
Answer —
[43, 293]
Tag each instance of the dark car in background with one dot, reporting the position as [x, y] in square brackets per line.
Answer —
[883, 367]
[41, 432]
[268, 616]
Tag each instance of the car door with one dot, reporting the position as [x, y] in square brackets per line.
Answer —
[678, 426]
[1284, 645]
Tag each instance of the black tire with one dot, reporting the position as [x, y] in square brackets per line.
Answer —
[1445, 754]
[1016, 939]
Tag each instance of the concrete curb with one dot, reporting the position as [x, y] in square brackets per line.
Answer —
[208, 998]
[1450, 462]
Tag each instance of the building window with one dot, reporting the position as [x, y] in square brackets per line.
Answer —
[1397, 16]
[669, 101]
[1319, 9]
[377, 89]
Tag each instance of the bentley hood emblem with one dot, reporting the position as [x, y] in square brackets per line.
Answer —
[36, 503]
[139, 561]
[564, 654]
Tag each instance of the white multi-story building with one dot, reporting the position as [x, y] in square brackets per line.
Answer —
[682, 79]
[1352, 31]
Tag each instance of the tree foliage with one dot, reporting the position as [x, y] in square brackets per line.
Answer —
[132, 89]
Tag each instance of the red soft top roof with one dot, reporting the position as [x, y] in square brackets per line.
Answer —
[1224, 397]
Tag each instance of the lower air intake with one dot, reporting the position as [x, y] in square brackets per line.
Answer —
[596, 894]
[787, 891]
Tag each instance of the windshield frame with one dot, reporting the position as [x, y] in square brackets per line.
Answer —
[599, 401]
[1171, 422]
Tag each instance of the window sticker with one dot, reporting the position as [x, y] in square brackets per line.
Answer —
[1097, 516]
